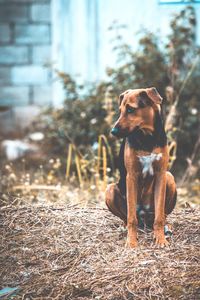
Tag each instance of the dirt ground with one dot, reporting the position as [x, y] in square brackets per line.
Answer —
[68, 252]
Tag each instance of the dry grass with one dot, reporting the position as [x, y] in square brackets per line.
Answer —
[68, 252]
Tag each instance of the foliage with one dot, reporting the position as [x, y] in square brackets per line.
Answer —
[183, 57]
[173, 67]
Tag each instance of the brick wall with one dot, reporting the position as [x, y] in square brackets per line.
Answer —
[25, 46]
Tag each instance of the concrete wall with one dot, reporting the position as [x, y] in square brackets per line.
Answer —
[74, 35]
[25, 46]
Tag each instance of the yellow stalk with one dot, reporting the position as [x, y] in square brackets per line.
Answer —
[99, 154]
[109, 151]
[77, 161]
[104, 166]
[69, 160]
[172, 153]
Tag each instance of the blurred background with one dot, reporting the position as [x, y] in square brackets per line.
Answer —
[63, 64]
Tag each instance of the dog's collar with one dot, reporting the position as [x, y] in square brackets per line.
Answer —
[147, 163]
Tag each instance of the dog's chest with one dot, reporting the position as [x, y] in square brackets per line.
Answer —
[147, 163]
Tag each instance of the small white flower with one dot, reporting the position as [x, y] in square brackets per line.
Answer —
[194, 111]
[93, 121]
[93, 187]
[95, 146]
[83, 114]
[36, 136]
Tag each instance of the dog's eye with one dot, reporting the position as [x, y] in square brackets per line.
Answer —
[130, 110]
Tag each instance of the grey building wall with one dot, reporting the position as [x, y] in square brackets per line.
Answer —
[74, 35]
[25, 46]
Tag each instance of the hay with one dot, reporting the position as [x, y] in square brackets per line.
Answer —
[78, 253]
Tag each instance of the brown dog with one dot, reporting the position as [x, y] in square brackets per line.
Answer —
[146, 192]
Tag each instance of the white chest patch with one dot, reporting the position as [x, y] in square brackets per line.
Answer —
[147, 163]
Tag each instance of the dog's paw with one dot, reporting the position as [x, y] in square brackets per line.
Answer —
[160, 239]
[131, 243]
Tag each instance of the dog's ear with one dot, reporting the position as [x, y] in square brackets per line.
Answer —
[121, 96]
[144, 100]
[154, 95]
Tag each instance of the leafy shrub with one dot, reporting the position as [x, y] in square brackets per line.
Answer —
[172, 66]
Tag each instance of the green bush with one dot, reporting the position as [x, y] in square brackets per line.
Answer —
[171, 66]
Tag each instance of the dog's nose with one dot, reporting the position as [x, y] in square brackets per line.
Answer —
[115, 130]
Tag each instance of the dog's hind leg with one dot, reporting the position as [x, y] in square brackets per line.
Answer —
[171, 194]
[116, 202]
[170, 201]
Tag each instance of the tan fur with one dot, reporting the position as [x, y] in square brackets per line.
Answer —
[157, 191]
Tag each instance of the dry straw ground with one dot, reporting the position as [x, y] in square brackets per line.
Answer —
[68, 252]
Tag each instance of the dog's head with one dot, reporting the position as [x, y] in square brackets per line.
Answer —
[137, 111]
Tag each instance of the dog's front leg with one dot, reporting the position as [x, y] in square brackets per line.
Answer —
[132, 186]
[159, 199]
